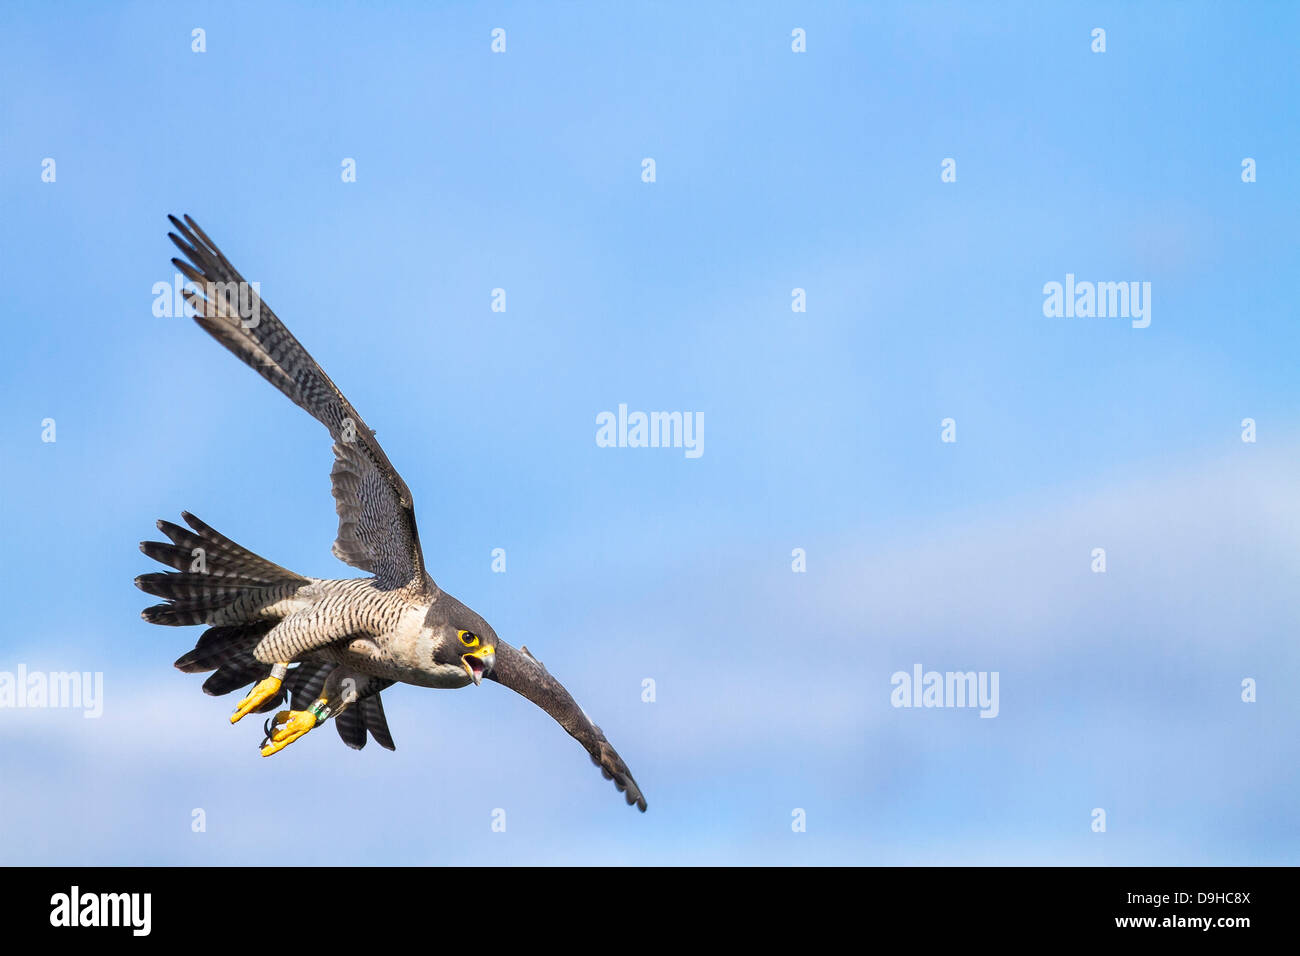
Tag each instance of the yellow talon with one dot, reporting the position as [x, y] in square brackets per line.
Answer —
[258, 696]
[287, 727]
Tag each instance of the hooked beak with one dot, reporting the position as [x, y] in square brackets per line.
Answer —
[479, 662]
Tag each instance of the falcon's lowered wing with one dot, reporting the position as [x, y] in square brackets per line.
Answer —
[524, 674]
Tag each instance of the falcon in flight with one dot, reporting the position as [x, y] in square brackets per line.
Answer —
[329, 647]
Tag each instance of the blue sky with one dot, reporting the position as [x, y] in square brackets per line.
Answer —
[775, 170]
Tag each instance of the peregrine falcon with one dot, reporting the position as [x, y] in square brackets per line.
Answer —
[329, 646]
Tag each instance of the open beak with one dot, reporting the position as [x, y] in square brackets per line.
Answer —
[479, 662]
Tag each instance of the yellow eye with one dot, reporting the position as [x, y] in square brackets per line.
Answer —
[468, 639]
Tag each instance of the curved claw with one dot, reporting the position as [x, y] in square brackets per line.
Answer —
[287, 727]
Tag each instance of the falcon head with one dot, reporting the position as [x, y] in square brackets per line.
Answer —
[463, 643]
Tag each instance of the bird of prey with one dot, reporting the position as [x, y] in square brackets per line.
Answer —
[329, 646]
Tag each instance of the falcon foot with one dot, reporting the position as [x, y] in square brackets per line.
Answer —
[286, 727]
[260, 694]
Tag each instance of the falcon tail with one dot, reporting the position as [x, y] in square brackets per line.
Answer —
[218, 582]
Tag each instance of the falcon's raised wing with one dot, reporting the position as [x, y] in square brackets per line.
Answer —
[524, 674]
[377, 530]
